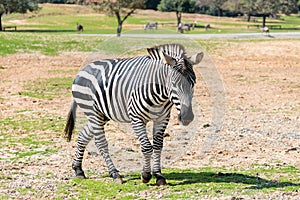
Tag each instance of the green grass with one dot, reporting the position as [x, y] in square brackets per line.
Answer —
[188, 184]
[26, 130]
[48, 44]
[48, 31]
[29, 135]
[48, 88]
[30, 153]
[63, 19]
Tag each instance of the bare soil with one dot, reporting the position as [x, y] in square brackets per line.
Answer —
[261, 125]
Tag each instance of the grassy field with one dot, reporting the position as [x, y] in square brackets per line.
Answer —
[63, 18]
[53, 44]
[47, 44]
[206, 182]
[190, 184]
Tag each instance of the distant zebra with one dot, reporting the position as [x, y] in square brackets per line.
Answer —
[150, 26]
[265, 30]
[185, 27]
[133, 90]
[79, 27]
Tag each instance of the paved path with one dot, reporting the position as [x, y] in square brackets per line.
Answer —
[204, 36]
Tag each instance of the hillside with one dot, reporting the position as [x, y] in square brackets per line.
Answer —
[63, 18]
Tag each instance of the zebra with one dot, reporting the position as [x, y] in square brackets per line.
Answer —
[133, 90]
[150, 26]
[79, 27]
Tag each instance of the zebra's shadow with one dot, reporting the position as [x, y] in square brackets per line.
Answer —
[189, 178]
[254, 182]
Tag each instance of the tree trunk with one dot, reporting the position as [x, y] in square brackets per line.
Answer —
[119, 29]
[249, 17]
[264, 20]
[178, 15]
[1, 21]
[120, 22]
[220, 12]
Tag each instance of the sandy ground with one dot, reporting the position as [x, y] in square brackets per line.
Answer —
[261, 124]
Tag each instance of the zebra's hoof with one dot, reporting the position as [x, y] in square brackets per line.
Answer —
[82, 176]
[146, 177]
[117, 177]
[160, 179]
[79, 174]
[118, 180]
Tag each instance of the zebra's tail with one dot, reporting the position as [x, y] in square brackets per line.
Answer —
[70, 122]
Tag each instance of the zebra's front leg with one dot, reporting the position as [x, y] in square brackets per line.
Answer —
[84, 137]
[139, 128]
[102, 145]
[158, 132]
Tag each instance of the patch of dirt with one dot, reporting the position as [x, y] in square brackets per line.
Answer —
[17, 21]
[186, 16]
[261, 126]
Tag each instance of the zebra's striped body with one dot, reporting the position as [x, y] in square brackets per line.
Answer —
[113, 86]
[133, 90]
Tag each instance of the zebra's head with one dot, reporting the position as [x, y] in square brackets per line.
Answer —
[180, 83]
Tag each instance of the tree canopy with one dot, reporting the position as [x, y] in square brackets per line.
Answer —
[266, 8]
[16, 6]
[152, 4]
[216, 5]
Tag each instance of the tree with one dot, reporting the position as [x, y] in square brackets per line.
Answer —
[266, 8]
[216, 5]
[16, 6]
[288, 6]
[119, 8]
[152, 4]
[242, 6]
[249, 8]
[263, 8]
[178, 6]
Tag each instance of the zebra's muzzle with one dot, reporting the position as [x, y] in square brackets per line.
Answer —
[186, 115]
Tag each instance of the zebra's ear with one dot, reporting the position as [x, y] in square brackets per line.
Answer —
[167, 59]
[196, 59]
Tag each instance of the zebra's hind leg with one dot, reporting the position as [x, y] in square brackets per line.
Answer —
[102, 145]
[139, 128]
[84, 137]
[158, 131]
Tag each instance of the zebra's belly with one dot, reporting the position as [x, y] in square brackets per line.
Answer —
[118, 115]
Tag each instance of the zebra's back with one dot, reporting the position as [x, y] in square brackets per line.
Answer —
[107, 86]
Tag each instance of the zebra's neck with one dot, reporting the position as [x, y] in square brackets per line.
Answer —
[163, 73]
[173, 50]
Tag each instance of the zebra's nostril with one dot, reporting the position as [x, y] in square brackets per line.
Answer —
[186, 113]
[185, 120]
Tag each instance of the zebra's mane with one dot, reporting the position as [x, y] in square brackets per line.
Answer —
[176, 51]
